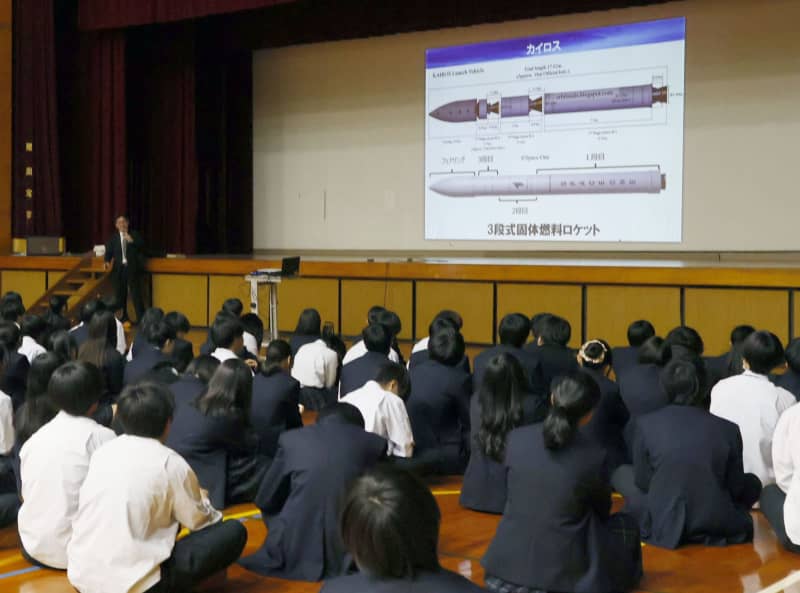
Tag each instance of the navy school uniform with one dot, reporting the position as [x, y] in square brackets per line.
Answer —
[274, 409]
[149, 356]
[421, 356]
[186, 389]
[442, 581]
[80, 334]
[15, 378]
[554, 361]
[625, 358]
[607, 425]
[484, 487]
[530, 365]
[438, 408]
[356, 373]
[790, 381]
[300, 496]
[557, 533]
[641, 390]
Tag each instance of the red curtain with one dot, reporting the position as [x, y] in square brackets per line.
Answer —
[36, 180]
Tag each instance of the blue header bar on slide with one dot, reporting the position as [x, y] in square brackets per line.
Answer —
[660, 31]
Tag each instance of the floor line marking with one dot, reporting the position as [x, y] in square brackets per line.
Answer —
[792, 578]
[15, 573]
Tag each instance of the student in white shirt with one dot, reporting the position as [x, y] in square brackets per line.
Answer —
[419, 353]
[780, 502]
[382, 403]
[136, 496]
[226, 334]
[54, 462]
[377, 314]
[9, 500]
[249, 342]
[752, 402]
[316, 367]
[33, 327]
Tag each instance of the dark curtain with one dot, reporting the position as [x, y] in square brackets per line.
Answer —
[36, 184]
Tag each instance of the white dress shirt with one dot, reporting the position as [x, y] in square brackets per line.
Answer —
[358, 350]
[122, 346]
[384, 414]
[250, 343]
[421, 345]
[753, 403]
[136, 495]
[6, 424]
[53, 465]
[315, 365]
[786, 460]
[223, 354]
[124, 249]
[30, 348]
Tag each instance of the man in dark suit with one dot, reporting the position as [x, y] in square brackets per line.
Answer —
[160, 340]
[513, 331]
[125, 249]
[356, 373]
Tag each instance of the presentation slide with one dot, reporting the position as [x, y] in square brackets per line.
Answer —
[573, 136]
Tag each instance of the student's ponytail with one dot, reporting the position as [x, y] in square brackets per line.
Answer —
[573, 396]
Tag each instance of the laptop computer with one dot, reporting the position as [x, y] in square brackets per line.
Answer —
[290, 266]
[38, 245]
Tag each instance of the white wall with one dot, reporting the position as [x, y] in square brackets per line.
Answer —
[339, 134]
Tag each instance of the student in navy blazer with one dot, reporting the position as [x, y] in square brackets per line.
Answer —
[790, 380]
[300, 497]
[14, 379]
[728, 364]
[446, 318]
[195, 380]
[513, 332]
[551, 351]
[390, 524]
[356, 373]
[276, 397]
[640, 387]
[627, 357]
[160, 341]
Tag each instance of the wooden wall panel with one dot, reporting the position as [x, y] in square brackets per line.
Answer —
[54, 276]
[222, 287]
[528, 299]
[185, 293]
[610, 309]
[715, 311]
[30, 284]
[473, 300]
[359, 295]
[297, 294]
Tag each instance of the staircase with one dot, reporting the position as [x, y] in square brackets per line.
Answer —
[87, 280]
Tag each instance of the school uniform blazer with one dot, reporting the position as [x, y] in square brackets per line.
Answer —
[790, 381]
[554, 534]
[688, 463]
[554, 361]
[356, 373]
[422, 355]
[625, 358]
[438, 408]
[298, 341]
[608, 421]
[641, 389]
[80, 334]
[274, 409]
[442, 581]
[15, 378]
[186, 389]
[484, 487]
[134, 252]
[300, 496]
[530, 365]
[181, 346]
[717, 368]
[207, 443]
[114, 373]
[143, 363]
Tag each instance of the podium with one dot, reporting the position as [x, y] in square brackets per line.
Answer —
[271, 282]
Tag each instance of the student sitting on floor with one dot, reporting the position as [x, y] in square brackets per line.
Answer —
[299, 497]
[513, 331]
[439, 404]
[728, 364]
[183, 350]
[381, 403]
[194, 381]
[376, 314]
[136, 495]
[686, 484]
[314, 364]
[627, 357]
[780, 502]
[307, 331]
[151, 316]
[81, 331]
[62, 343]
[554, 357]
[501, 404]
[14, 378]
[158, 349]
[100, 351]
[640, 387]
[557, 533]
[226, 334]
[390, 525]
[610, 417]
[54, 462]
[276, 398]
[215, 436]
[446, 318]
[790, 380]
[753, 403]
[33, 328]
[355, 374]
[9, 500]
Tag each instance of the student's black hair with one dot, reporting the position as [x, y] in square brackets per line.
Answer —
[655, 351]
[254, 326]
[309, 323]
[11, 310]
[203, 367]
[595, 354]
[639, 332]
[762, 351]
[536, 324]
[446, 346]
[225, 330]
[38, 409]
[347, 413]
[573, 396]
[34, 326]
[391, 371]
[684, 382]
[229, 392]
[102, 338]
[377, 338]
[57, 304]
[687, 338]
[277, 352]
[792, 355]
[110, 303]
[178, 322]
[233, 306]
[740, 333]
[145, 409]
[440, 324]
[555, 330]
[454, 317]
[63, 344]
[335, 343]
[390, 524]
[181, 355]
[40, 372]
[75, 387]
[391, 321]
[10, 335]
[11, 295]
[159, 332]
[514, 329]
[374, 312]
[500, 397]
[150, 316]
[89, 309]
